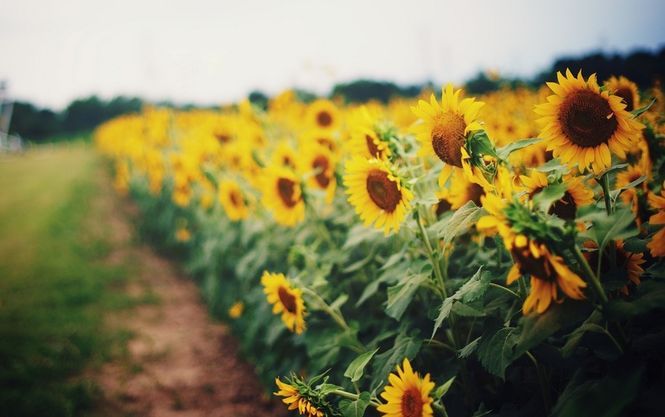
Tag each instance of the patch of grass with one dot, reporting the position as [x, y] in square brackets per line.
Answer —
[54, 289]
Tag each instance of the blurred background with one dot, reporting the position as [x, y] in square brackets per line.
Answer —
[68, 65]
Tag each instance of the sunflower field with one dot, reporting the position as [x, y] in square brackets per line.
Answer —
[499, 255]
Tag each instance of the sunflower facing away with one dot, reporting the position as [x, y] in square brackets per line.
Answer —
[444, 126]
[548, 271]
[286, 300]
[584, 126]
[282, 195]
[233, 200]
[377, 194]
[295, 400]
[407, 395]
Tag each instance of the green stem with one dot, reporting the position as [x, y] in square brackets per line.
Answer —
[605, 184]
[508, 290]
[440, 408]
[591, 276]
[542, 381]
[440, 344]
[352, 396]
[436, 265]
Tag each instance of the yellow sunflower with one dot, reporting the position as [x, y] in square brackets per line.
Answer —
[282, 196]
[286, 300]
[583, 126]
[548, 272]
[323, 114]
[577, 194]
[377, 194]
[626, 261]
[233, 200]
[625, 89]
[444, 127]
[462, 191]
[407, 395]
[629, 196]
[319, 164]
[657, 243]
[365, 140]
[296, 401]
[320, 137]
[284, 155]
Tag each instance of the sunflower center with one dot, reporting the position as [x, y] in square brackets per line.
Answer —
[287, 162]
[235, 198]
[412, 403]
[286, 190]
[442, 207]
[383, 191]
[587, 119]
[448, 138]
[287, 299]
[474, 192]
[536, 267]
[321, 165]
[324, 119]
[565, 208]
[371, 147]
[627, 95]
[222, 138]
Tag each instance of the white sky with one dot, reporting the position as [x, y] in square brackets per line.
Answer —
[213, 51]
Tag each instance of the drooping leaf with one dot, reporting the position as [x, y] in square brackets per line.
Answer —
[463, 218]
[400, 295]
[496, 350]
[474, 288]
[356, 368]
[355, 408]
[505, 151]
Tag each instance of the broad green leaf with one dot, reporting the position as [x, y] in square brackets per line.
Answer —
[505, 151]
[606, 228]
[385, 363]
[480, 144]
[400, 295]
[650, 296]
[463, 218]
[496, 351]
[356, 368]
[355, 408]
[474, 288]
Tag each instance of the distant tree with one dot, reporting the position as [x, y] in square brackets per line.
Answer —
[259, 99]
[33, 123]
[361, 91]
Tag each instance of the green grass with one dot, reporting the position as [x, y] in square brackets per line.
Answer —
[54, 287]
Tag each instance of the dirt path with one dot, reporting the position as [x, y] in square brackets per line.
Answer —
[179, 362]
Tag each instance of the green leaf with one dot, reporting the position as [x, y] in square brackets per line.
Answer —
[606, 228]
[643, 109]
[463, 218]
[480, 144]
[467, 350]
[355, 408]
[464, 310]
[549, 195]
[441, 390]
[473, 289]
[650, 296]
[505, 151]
[576, 336]
[385, 363]
[400, 295]
[615, 193]
[356, 368]
[496, 350]
[606, 397]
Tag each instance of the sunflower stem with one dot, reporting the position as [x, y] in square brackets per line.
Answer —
[591, 276]
[605, 184]
[352, 396]
[440, 408]
[436, 265]
[508, 290]
[542, 381]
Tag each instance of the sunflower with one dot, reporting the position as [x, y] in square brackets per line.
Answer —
[583, 125]
[548, 271]
[625, 89]
[577, 194]
[236, 310]
[628, 262]
[534, 182]
[462, 191]
[407, 395]
[232, 198]
[377, 194]
[284, 155]
[319, 164]
[320, 137]
[183, 235]
[282, 195]
[323, 114]
[285, 300]
[444, 127]
[630, 195]
[657, 244]
[548, 274]
[296, 401]
[365, 139]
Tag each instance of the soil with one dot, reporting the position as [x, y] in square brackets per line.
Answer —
[179, 361]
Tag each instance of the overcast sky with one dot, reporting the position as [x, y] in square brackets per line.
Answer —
[214, 51]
